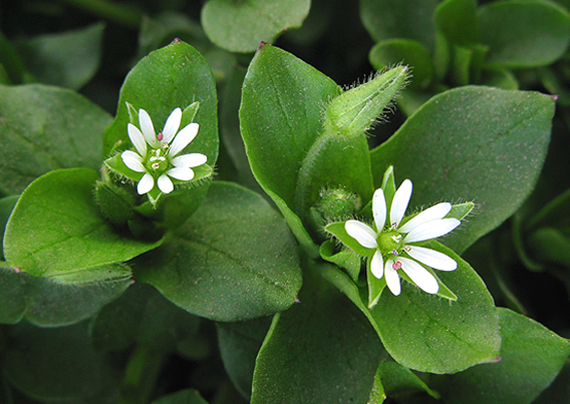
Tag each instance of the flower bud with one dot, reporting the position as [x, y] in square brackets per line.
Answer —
[355, 111]
[116, 203]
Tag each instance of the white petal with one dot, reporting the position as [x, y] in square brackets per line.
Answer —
[165, 184]
[431, 229]
[133, 161]
[379, 209]
[400, 202]
[189, 160]
[362, 233]
[171, 126]
[183, 138]
[181, 173]
[377, 265]
[435, 212]
[147, 128]
[419, 275]
[392, 278]
[432, 258]
[137, 138]
[145, 184]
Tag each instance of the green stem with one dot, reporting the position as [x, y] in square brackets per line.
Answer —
[140, 375]
[109, 11]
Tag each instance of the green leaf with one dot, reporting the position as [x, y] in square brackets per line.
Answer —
[457, 20]
[283, 101]
[385, 19]
[47, 303]
[559, 389]
[408, 52]
[239, 344]
[188, 396]
[531, 357]
[45, 128]
[69, 59]
[465, 144]
[549, 245]
[336, 351]
[6, 206]
[249, 22]
[234, 259]
[524, 34]
[35, 363]
[400, 382]
[57, 230]
[465, 328]
[429, 334]
[168, 78]
[141, 315]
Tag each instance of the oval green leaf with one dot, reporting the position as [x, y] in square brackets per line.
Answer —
[69, 59]
[283, 101]
[47, 303]
[46, 128]
[412, 19]
[240, 26]
[171, 77]
[465, 144]
[523, 34]
[531, 357]
[56, 364]
[56, 230]
[336, 352]
[430, 334]
[234, 259]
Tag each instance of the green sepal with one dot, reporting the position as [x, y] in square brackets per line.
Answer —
[117, 166]
[189, 113]
[338, 230]
[375, 285]
[133, 114]
[345, 258]
[389, 186]
[149, 208]
[460, 210]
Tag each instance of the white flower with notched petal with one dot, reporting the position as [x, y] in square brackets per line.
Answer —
[395, 242]
[157, 155]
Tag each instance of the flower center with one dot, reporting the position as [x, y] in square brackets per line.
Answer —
[390, 242]
[157, 160]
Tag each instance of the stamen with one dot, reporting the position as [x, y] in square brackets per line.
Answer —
[160, 136]
[395, 253]
[396, 265]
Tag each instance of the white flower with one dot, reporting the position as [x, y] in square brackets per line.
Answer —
[157, 155]
[394, 243]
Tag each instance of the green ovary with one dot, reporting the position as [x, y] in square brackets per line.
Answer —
[390, 241]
